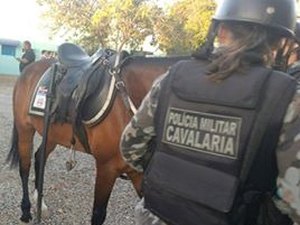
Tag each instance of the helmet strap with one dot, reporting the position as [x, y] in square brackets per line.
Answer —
[205, 51]
[282, 57]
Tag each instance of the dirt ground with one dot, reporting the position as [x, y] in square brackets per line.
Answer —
[69, 195]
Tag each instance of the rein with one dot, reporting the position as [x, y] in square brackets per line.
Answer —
[115, 71]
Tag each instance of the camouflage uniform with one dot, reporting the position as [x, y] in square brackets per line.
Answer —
[288, 158]
[140, 131]
[294, 70]
[134, 145]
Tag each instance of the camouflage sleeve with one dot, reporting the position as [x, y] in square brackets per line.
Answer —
[288, 158]
[140, 130]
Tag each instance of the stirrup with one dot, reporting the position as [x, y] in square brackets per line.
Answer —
[71, 163]
[124, 176]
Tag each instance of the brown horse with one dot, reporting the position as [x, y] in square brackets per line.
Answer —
[103, 137]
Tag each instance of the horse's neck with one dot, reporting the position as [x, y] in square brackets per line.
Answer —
[140, 73]
[139, 80]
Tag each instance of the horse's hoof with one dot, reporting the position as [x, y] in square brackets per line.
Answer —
[70, 165]
[124, 177]
[45, 211]
[26, 218]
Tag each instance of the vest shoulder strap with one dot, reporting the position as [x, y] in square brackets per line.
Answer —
[263, 122]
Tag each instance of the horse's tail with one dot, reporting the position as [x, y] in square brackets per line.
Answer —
[13, 156]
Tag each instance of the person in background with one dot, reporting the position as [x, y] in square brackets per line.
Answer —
[45, 54]
[206, 135]
[294, 58]
[27, 57]
[288, 154]
[53, 55]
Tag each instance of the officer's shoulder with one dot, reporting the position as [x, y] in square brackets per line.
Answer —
[283, 75]
[188, 63]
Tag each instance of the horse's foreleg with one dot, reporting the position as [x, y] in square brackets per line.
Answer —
[25, 144]
[49, 148]
[105, 179]
[136, 179]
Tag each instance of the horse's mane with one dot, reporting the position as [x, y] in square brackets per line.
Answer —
[130, 60]
[142, 60]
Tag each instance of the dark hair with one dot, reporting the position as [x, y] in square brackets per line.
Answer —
[27, 43]
[252, 44]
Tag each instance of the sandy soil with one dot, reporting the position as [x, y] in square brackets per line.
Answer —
[69, 195]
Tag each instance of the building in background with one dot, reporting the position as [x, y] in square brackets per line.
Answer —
[10, 49]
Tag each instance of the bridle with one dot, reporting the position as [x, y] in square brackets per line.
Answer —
[115, 72]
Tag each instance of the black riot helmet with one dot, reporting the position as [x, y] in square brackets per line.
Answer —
[279, 15]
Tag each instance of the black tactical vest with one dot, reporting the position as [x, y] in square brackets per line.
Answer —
[208, 136]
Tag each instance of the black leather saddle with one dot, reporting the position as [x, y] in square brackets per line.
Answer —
[74, 64]
[71, 55]
[84, 90]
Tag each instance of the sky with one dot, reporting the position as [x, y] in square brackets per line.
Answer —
[20, 20]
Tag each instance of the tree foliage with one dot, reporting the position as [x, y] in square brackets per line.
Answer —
[126, 23]
[184, 25]
[72, 19]
[106, 23]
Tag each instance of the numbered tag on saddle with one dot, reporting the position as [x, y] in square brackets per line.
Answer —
[40, 98]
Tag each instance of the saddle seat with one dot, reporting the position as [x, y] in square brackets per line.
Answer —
[71, 55]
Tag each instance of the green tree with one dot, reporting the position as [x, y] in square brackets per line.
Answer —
[128, 22]
[106, 23]
[72, 19]
[184, 26]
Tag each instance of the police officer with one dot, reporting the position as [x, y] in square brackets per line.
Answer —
[288, 154]
[28, 56]
[206, 134]
[294, 56]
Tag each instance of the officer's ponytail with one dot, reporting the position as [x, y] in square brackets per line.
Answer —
[251, 44]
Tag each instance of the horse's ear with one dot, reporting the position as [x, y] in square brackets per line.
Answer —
[124, 54]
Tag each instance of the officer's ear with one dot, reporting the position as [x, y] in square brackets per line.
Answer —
[224, 35]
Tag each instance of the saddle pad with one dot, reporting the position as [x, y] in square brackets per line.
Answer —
[96, 106]
[38, 99]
